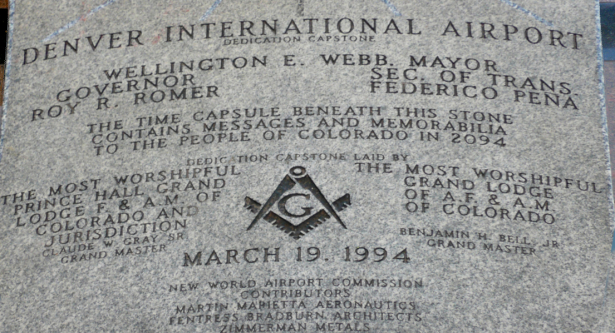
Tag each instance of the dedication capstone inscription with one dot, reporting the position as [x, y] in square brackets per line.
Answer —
[304, 166]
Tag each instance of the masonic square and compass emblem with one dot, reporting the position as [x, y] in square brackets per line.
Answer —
[286, 191]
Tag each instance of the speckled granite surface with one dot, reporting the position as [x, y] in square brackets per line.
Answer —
[315, 166]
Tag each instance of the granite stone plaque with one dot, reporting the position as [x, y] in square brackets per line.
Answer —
[305, 166]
